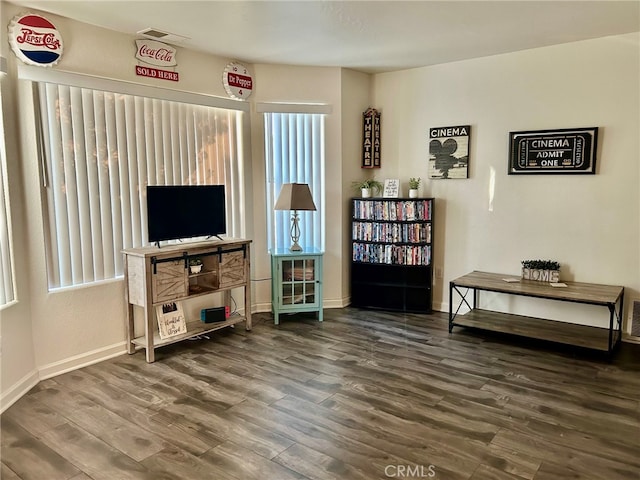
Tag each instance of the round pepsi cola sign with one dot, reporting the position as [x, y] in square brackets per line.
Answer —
[35, 40]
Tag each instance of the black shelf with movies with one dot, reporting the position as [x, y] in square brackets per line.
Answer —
[391, 251]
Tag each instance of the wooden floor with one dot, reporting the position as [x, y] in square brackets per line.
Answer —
[363, 395]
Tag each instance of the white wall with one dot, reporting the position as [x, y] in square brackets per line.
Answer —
[17, 358]
[589, 223]
[356, 98]
[305, 85]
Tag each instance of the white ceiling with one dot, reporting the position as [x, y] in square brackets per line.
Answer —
[370, 36]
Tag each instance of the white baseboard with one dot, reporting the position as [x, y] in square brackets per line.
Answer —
[82, 360]
[630, 338]
[15, 392]
[20, 388]
[265, 307]
[337, 302]
[441, 307]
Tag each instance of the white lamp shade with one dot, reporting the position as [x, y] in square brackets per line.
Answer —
[295, 196]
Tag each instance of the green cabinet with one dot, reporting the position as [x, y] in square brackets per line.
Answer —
[296, 282]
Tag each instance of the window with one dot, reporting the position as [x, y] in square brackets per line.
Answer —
[294, 152]
[102, 149]
[7, 289]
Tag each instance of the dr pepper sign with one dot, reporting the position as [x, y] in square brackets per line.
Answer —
[237, 81]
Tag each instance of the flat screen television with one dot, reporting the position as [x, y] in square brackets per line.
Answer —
[185, 211]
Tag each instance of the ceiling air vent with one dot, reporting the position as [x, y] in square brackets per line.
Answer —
[157, 34]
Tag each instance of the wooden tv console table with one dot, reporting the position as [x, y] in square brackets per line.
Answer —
[156, 276]
[605, 339]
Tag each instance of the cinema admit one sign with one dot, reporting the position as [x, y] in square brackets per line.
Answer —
[570, 150]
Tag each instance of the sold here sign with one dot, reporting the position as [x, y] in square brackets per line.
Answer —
[151, 54]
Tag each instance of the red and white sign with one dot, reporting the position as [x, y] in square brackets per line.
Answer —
[156, 53]
[35, 40]
[237, 81]
[157, 73]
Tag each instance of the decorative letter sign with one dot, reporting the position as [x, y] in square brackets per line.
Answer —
[35, 40]
[171, 321]
[371, 139]
[391, 188]
[237, 81]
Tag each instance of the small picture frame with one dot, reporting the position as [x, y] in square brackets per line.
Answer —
[391, 188]
[171, 321]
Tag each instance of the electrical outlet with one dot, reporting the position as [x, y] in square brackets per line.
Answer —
[439, 272]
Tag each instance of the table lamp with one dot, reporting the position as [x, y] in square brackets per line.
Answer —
[295, 196]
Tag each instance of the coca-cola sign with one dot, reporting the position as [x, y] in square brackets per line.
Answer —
[156, 53]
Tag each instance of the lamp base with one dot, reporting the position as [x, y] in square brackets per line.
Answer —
[295, 233]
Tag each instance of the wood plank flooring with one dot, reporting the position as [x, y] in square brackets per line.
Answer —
[363, 395]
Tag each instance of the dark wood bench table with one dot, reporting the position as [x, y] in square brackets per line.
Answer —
[598, 338]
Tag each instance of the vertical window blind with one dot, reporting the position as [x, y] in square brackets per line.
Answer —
[7, 289]
[102, 149]
[294, 153]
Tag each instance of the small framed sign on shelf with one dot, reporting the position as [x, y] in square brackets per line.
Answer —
[391, 188]
[171, 321]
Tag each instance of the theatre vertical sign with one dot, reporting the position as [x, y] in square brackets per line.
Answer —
[371, 139]
[570, 150]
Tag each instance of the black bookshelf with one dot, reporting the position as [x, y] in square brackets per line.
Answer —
[391, 252]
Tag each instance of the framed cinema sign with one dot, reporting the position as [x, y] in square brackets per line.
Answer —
[569, 150]
[449, 151]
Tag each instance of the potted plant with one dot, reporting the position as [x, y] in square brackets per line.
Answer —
[195, 265]
[368, 187]
[414, 185]
[541, 270]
